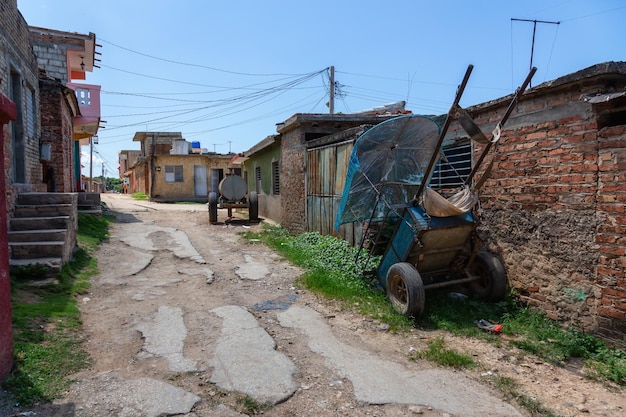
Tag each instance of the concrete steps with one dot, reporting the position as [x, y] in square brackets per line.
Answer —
[42, 230]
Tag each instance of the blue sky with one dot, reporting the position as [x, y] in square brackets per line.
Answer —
[224, 73]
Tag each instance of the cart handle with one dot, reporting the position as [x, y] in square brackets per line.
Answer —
[442, 134]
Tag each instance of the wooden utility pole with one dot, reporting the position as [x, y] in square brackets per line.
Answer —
[331, 101]
[534, 22]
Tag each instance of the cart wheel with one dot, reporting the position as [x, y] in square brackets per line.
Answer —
[492, 283]
[213, 207]
[405, 289]
[253, 201]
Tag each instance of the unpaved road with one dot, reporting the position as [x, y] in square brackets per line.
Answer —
[189, 319]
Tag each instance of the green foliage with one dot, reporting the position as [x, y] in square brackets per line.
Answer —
[33, 271]
[436, 352]
[509, 388]
[250, 406]
[139, 196]
[333, 270]
[46, 324]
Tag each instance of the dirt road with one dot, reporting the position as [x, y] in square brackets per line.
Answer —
[187, 318]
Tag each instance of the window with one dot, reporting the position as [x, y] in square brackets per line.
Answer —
[275, 178]
[84, 97]
[31, 118]
[257, 177]
[452, 170]
[173, 173]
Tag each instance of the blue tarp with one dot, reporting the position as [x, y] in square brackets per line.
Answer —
[386, 167]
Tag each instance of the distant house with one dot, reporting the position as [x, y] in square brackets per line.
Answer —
[260, 167]
[314, 157]
[168, 170]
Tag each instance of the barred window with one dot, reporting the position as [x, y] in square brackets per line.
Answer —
[275, 178]
[173, 173]
[258, 186]
[451, 171]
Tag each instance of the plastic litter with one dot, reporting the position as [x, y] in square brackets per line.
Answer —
[488, 326]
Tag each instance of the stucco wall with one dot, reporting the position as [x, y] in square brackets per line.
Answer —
[269, 203]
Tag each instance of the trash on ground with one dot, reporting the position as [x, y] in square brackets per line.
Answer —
[488, 326]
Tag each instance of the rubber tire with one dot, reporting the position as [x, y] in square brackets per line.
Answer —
[405, 289]
[492, 284]
[212, 207]
[253, 201]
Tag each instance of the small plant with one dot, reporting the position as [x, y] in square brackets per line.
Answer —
[250, 406]
[437, 353]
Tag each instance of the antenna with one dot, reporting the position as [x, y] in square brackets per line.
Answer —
[532, 48]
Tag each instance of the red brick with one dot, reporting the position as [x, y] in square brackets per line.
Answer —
[609, 312]
[613, 292]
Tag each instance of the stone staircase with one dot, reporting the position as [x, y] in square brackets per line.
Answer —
[43, 230]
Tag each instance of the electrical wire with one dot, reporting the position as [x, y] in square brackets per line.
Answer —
[192, 64]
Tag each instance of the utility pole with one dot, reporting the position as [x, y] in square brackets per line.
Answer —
[331, 102]
[532, 48]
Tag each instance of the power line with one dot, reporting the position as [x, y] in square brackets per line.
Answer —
[191, 64]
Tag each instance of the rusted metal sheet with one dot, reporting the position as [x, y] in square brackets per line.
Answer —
[326, 174]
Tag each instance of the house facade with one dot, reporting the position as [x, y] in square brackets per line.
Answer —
[168, 170]
[260, 166]
[70, 108]
[297, 135]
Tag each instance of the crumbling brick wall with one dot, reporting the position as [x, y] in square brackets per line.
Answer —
[610, 288]
[292, 179]
[553, 208]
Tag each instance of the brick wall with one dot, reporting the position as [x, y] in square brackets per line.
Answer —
[292, 176]
[17, 58]
[611, 232]
[553, 208]
[57, 131]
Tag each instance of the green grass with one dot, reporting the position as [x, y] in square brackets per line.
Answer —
[437, 353]
[331, 271]
[47, 324]
[250, 406]
[140, 196]
[510, 390]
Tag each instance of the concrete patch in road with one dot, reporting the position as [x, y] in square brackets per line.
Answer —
[380, 381]
[207, 273]
[251, 269]
[164, 335]
[107, 394]
[153, 238]
[246, 359]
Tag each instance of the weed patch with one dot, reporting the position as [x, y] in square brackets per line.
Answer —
[437, 353]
